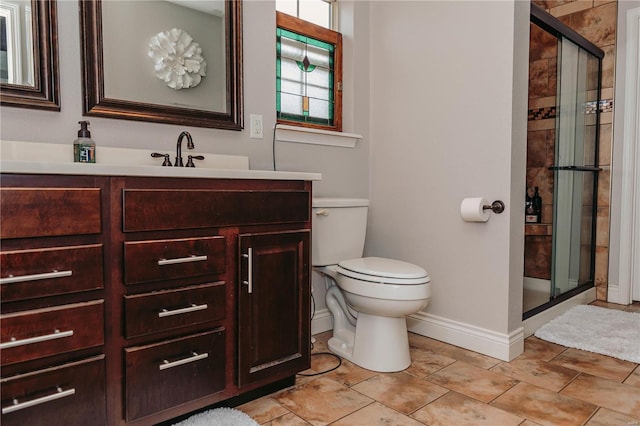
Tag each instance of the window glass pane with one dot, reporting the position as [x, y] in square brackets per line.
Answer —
[292, 49]
[291, 71]
[304, 70]
[316, 11]
[291, 104]
[290, 7]
[319, 56]
[318, 92]
[292, 87]
[319, 108]
[319, 78]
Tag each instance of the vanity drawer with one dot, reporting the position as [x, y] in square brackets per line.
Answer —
[157, 260]
[167, 374]
[38, 333]
[28, 274]
[44, 212]
[69, 394]
[170, 309]
[151, 209]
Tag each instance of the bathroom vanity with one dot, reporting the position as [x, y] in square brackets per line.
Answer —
[134, 297]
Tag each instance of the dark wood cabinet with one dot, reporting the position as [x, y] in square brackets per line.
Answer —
[49, 211]
[37, 333]
[30, 274]
[67, 394]
[166, 374]
[134, 300]
[52, 311]
[163, 310]
[158, 260]
[273, 305]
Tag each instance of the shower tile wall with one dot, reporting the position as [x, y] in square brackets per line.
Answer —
[595, 20]
[543, 52]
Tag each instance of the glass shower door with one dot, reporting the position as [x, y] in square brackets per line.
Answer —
[575, 169]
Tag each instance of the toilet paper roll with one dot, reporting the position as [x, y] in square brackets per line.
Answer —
[471, 210]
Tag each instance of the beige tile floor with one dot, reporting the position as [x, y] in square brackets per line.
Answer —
[446, 385]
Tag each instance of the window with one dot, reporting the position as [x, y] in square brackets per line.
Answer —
[319, 12]
[308, 66]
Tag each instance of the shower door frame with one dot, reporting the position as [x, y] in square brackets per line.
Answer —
[558, 29]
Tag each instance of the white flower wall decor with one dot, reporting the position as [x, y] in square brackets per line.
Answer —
[177, 59]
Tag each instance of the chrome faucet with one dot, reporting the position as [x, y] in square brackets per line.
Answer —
[190, 145]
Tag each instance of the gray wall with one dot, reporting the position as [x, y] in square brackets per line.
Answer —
[448, 121]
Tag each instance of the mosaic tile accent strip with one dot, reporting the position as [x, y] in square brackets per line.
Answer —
[606, 105]
[541, 113]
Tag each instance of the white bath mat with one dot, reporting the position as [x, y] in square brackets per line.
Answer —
[594, 329]
[219, 417]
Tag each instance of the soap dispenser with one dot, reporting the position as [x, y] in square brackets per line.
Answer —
[84, 148]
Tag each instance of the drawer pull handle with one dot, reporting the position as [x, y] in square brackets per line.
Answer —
[34, 277]
[192, 258]
[55, 335]
[193, 308]
[21, 405]
[249, 281]
[196, 357]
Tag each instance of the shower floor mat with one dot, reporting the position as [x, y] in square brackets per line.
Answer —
[594, 329]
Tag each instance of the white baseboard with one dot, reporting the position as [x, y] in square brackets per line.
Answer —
[487, 342]
[615, 295]
[322, 321]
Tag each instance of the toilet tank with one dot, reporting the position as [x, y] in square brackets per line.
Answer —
[339, 226]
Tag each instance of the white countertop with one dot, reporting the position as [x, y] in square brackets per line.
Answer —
[47, 158]
[36, 167]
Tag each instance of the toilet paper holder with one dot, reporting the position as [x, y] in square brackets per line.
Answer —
[497, 207]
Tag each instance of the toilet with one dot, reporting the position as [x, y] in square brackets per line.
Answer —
[368, 297]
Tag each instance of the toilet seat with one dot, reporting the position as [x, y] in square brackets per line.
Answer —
[377, 270]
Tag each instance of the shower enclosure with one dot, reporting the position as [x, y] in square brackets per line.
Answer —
[560, 249]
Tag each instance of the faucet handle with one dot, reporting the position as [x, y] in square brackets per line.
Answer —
[193, 157]
[166, 162]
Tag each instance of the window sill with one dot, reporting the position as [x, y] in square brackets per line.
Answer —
[295, 134]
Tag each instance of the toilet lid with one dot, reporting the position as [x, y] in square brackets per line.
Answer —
[380, 269]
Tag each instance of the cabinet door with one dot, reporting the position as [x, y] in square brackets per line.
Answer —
[273, 312]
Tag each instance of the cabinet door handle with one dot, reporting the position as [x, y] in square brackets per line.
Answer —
[249, 281]
[196, 357]
[55, 335]
[34, 277]
[193, 308]
[188, 259]
[37, 401]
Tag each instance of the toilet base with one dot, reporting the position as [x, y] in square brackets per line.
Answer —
[379, 344]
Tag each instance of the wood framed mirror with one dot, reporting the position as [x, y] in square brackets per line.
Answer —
[29, 54]
[122, 80]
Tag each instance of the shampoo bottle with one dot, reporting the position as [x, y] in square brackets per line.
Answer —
[84, 148]
[537, 205]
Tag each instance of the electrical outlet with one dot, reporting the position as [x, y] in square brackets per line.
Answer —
[255, 126]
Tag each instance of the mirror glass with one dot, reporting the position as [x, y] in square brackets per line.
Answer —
[181, 64]
[28, 54]
[16, 43]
